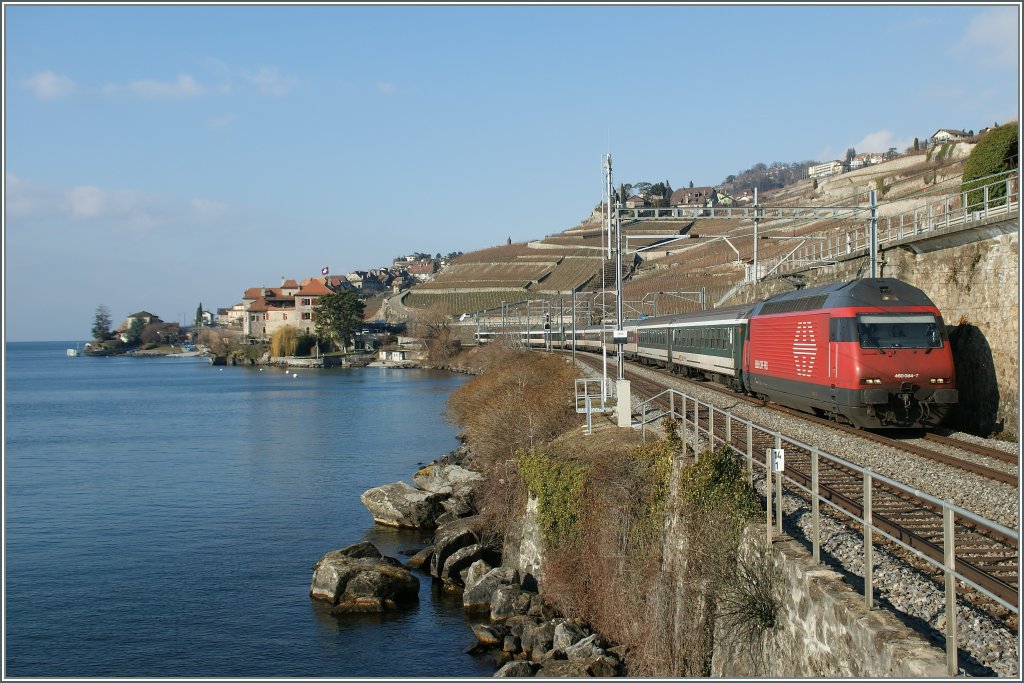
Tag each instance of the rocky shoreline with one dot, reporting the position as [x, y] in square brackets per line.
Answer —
[526, 636]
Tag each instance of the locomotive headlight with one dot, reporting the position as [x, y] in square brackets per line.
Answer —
[939, 380]
[870, 380]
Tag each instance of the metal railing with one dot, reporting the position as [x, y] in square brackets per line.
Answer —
[988, 198]
[592, 396]
[694, 435]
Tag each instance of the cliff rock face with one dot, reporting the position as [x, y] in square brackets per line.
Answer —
[525, 552]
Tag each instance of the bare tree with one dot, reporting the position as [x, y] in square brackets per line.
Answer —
[219, 340]
[434, 326]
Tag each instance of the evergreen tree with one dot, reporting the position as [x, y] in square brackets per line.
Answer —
[338, 316]
[917, 145]
[134, 332]
[101, 324]
[199, 314]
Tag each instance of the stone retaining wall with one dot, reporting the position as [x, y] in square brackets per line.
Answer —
[823, 629]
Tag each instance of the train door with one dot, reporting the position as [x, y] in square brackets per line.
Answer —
[833, 360]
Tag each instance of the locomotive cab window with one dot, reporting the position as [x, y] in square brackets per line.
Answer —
[899, 331]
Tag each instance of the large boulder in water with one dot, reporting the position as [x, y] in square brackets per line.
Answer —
[451, 538]
[401, 505]
[359, 579]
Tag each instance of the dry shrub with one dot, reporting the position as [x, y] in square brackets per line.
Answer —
[434, 326]
[519, 400]
[522, 399]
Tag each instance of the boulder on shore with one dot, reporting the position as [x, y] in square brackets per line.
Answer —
[448, 539]
[446, 479]
[402, 505]
[359, 579]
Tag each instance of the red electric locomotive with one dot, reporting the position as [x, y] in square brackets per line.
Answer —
[871, 352]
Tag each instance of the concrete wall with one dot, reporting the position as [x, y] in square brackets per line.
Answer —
[823, 629]
[974, 279]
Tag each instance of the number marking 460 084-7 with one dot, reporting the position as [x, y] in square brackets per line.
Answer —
[760, 365]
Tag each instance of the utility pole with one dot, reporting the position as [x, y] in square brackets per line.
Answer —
[574, 327]
[757, 210]
[874, 233]
[608, 197]
[620, 334]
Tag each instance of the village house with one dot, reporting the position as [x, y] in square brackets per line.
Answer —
[829, 168]
[233, 317]
[422, 270]
[408, 349]
[689, 197]
[949, 135]
[267, 309]
[338, 283]
[636, 202]
[866, 159]
[144, 318]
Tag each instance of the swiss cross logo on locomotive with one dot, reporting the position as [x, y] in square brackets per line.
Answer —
[804, 349]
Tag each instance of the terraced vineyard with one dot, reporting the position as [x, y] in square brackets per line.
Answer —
[456, 302]
[517, 274]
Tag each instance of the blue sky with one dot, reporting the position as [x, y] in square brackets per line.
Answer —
[161, 156]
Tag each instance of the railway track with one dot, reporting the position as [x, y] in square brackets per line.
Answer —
[977, 449]
[993, 473]
[983, 554]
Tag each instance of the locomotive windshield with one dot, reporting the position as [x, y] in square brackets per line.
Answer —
[898, 331]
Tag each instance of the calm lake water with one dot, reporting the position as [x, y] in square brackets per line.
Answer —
[163, 517]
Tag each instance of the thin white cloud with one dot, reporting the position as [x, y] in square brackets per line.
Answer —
[207, 209]
[221, 121]
[881, 141]
[86, 201]
[270, 81]
[120, 211]
[46, 213]
[47, 85]
[386, 88]
[20, 199]
[184, 86]
[223, 80]
[991, 38]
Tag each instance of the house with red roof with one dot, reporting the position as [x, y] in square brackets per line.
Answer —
[267, 309]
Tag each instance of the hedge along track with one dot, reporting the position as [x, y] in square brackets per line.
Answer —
[983, 555]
